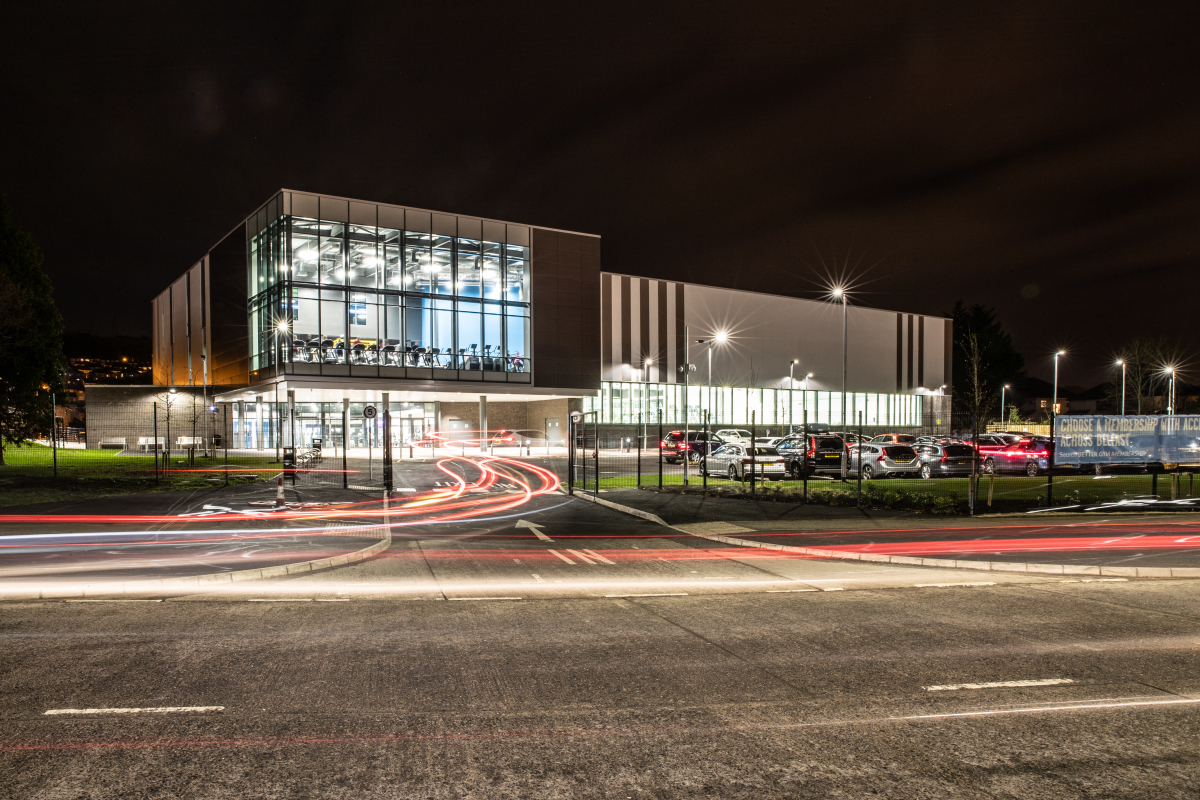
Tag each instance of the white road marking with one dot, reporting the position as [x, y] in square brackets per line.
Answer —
[115, 600]
[163, 710]
[785, 591]
[564, 558]
[533, 526]
[581, 556]
[1057, 708]
[536, 577]
[950, 687]
[594, 554]
[948, 585]
[834, 589]
[483, 598]
[659, 594]
[279, 600]
[1097, 580]
[333, 599]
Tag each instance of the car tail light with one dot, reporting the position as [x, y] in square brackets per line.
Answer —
[881, 458]
[944, 459]
[683, 445]
[663, 444]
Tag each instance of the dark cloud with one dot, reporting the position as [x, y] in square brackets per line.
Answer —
[1036, 157]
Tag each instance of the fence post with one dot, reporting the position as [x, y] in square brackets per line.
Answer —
[570, 454]
[345, 442]
[53, 435]
[804, 463]
[660, 435]
[859, 450]
[972, 486]
[704, 455]
[639, 452]
[753, 463]
[387, 443]
[154, 446]
[224, 432]
[1154, 480]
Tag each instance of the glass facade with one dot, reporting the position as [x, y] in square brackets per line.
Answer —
[325, 293]
[622, 402]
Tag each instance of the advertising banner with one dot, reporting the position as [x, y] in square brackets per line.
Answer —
[1115, 439]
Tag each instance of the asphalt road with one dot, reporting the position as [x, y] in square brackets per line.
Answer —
[561, 649]
[720, 695]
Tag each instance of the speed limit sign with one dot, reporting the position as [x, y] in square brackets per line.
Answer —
[576, 417]
[370, 411]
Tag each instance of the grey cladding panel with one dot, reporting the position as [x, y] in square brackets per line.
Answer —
[518, 234]
[445, 225]
[469, 228]
[391, 217]
[493, 231]
[362, 214]
[305, 205]
[335, 210]
[418, 221]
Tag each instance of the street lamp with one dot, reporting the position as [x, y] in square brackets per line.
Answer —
[804, 396]
[1121, 364]
[1171, 392]
[840, 292]
[1054, 399]
[1003, 391]
[646, 398]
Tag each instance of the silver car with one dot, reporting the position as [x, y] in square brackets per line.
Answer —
[740, 435]
[881, 460]
[734, 462]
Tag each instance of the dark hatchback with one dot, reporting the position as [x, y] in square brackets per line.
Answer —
[698, 444]
[821, 453]
[943, 460]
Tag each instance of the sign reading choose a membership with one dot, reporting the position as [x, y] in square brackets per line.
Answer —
[1127, 440]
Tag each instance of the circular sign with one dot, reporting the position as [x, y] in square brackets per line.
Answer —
[577, 417]
[370, 411]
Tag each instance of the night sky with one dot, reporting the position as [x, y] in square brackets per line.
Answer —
[1039, 157]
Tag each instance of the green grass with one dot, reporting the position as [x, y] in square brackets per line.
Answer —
[36, 459]
[23, 490]
[1007, 493]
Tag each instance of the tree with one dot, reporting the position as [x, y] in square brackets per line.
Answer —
[31, 337]
[984, 359]
[1146, 359]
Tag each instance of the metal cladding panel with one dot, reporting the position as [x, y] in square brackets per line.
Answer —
[305, 205]
[493, 231]
[363, 214]
[335, 210]
[565, 280]
[445, 225]
[179, 331]
[195, 329]
[229, 358]
[469, 228]
[391, 217]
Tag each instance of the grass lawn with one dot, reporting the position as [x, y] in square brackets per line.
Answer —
[21, 490]
[36, 459]
[1006, 491]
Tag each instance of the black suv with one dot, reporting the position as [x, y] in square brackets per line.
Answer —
[822, 453]
[698, 444]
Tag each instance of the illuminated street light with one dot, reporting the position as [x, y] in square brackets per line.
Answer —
[1121, 364]
[839, 291]
[1054, 399]
[1171, 392]
[1003, 391]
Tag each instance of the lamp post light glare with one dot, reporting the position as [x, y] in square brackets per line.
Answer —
[840, 292]
[1003, 391]
[791, 396]
[1171, 390]
[1054, 399]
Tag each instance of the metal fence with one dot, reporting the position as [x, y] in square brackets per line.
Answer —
[608, 457]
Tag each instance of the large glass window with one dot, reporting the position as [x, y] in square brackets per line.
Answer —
[306, 250]
[492, 277]
[492, 341]
[470, 268]
[332, 251]
[442, 266]
[333, 326]
[364, 264]
[516, 273]
[470, 335]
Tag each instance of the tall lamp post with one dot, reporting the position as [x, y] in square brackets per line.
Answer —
[686, 368]
[1121, 364]
[1003, 391]
[646, 416]
[804, 396]
[840, 292]
[1054, 399]
[1171, 391]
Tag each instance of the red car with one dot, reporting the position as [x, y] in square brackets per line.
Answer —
[1029, 456]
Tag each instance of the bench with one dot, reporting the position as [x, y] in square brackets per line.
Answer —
[150, 443]
[112, 443]
[189, 442]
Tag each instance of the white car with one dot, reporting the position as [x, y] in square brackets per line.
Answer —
[735, 435]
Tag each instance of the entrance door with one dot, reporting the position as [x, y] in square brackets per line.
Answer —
[553, 431]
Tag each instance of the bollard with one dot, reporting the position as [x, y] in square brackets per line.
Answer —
[279, 492]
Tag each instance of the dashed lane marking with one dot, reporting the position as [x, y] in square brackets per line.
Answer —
[953, 687]
[161, 710]
[657, 594]
[581, 556]
[483, 598]
[594, 554]
[948, 585]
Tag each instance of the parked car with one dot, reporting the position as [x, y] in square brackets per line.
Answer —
[942, 460]
[1031, 457]
[736, 462]
[821, 453]
[698, 444]
[768, 441]
[894, 438]
[848, 437]
[883, 460]
[740, 435]
[992, 442]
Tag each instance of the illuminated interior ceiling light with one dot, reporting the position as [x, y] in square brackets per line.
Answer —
[339, 273]
[353, 272]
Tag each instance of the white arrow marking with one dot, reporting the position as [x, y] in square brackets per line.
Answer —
[533, 526]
